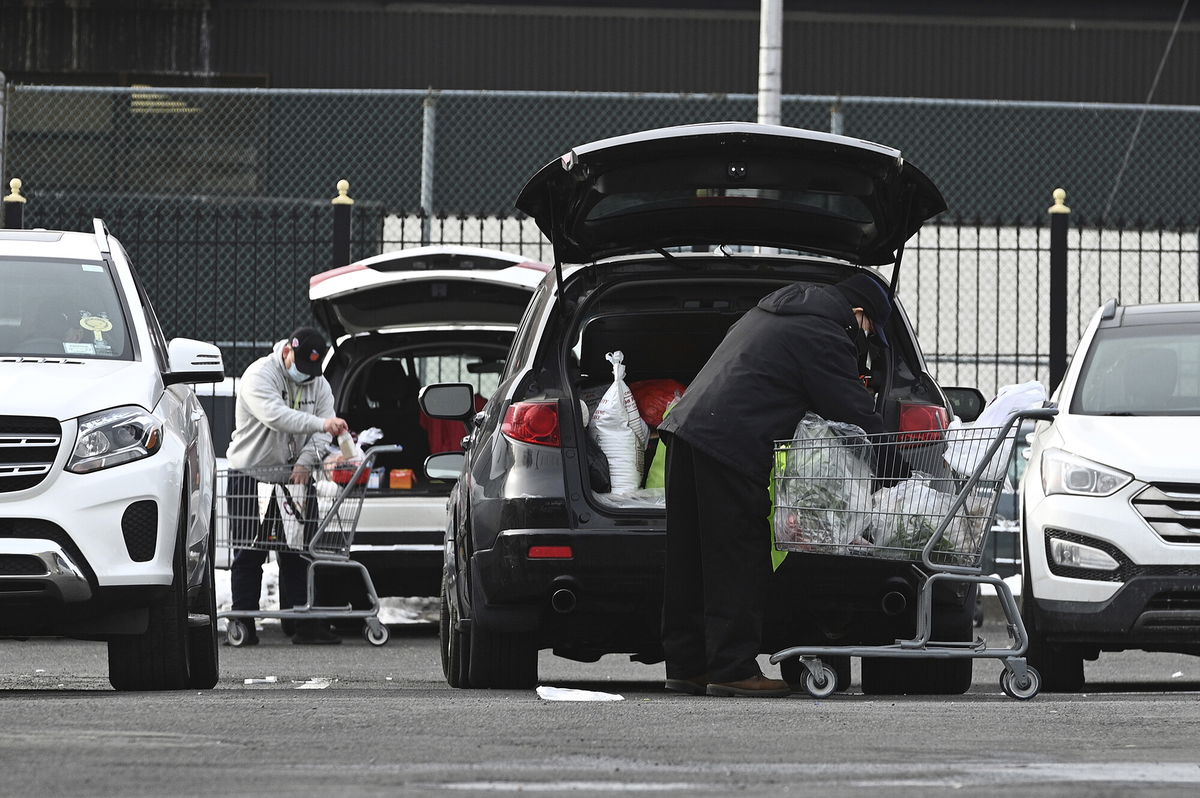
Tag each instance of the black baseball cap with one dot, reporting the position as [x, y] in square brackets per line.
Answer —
[309, 346]
[866, 293]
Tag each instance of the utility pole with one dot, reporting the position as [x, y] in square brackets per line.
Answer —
[770, 61]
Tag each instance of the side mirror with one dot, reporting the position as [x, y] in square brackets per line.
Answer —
[967, 403]
[445, 465]
[193, 361]
[455, 400]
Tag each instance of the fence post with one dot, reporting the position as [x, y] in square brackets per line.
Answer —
[14, 206]
[1059, 217]
[341, 224]
[428, 133]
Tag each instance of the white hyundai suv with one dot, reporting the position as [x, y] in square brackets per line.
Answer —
[1110, 502]
[106, 464]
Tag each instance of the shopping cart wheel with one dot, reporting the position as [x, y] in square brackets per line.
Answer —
[820, 685]
[376, 633]
[1021, 688]
[235, 632]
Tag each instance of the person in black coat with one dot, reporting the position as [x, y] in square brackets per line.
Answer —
[797, 351]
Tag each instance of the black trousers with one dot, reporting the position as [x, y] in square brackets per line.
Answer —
[718, 567]
[245, 573]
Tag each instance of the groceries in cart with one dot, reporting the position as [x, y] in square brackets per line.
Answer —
[905, 516]
[822, 484]
[829, 498]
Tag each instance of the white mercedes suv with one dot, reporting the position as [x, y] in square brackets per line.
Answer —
[1110, 502]
[106, 464]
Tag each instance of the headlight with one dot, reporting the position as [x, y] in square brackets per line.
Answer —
[115, 436]
[1063, 472]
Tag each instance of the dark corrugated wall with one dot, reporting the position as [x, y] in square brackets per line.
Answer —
[548, 48]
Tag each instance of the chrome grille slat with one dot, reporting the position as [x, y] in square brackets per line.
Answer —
[1172, 510]
[29, 440]
[24, 469]
[28, 448]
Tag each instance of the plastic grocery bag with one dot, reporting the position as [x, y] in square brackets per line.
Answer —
[619, 430]
[965, 451]
[287, 512]
[824, 495]
[906, 515]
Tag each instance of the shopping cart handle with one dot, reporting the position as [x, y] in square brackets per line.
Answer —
[1038, 413]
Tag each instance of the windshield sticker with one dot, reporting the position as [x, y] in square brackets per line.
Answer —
[78, 349]
[91, 267]
[97, 324]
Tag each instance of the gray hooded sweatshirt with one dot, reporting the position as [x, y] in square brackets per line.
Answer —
[276, 421]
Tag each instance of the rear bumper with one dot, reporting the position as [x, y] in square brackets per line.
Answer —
[614, 577]
[615, 584]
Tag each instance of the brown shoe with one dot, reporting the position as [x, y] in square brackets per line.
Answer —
[693, 685]
[755, 686]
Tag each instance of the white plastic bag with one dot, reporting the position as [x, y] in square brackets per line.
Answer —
[965, 451]
[618, 428]
[907, 514]
[290, 499]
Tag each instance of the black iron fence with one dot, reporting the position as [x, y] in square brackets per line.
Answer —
[979, 295]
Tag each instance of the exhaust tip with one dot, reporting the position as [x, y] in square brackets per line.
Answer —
[893, 602]
[563, 600]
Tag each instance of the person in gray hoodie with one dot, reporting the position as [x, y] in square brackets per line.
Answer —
[284, 423]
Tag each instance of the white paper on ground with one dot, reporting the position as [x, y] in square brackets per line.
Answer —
[568, 694]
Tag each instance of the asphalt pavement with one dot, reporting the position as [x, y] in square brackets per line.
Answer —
[354, 720]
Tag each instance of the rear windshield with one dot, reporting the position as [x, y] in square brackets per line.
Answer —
[1150, 370]
[56, 308]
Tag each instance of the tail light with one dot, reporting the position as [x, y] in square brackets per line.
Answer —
[532, 422]
[920, 423]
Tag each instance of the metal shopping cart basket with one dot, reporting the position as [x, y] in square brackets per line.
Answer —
[258, 508]
[841, 495]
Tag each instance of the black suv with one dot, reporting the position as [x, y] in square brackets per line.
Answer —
[655, 238]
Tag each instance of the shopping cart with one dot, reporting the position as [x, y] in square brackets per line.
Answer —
[258, 508]
[840, 494]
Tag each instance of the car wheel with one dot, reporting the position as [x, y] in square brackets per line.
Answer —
[1060, 667]
[500, 659]
[506, 661]
[794, 673]
[927, 676]
[204, 669]
[158, 658]
[453, 643]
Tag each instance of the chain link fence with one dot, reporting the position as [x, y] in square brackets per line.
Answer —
[222, 196]
[471, 151]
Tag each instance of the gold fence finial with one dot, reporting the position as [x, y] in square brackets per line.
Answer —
[1060, 204]
[343, 197]
[15, 196]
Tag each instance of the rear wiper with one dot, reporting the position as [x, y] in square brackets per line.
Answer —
[664, 253]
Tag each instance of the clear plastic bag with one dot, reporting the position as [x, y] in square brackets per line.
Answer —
[906, 515]
[823, 497]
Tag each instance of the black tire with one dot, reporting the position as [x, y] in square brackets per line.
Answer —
[204, 665]
[793, 672]
[158, 658]
[502, 660]
[927, 675]
[453, 644]
[1060, 667]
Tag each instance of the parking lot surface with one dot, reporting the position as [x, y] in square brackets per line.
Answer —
[361, 720]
